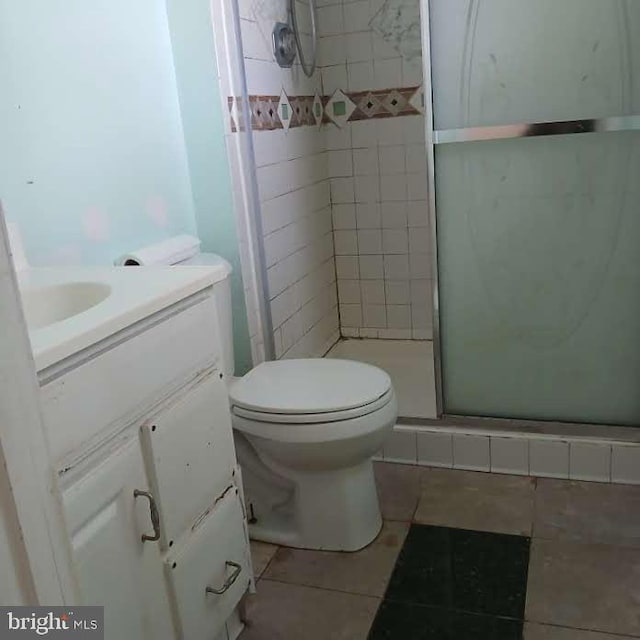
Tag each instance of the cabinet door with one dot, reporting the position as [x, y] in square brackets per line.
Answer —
[113, 566]
[190, 457]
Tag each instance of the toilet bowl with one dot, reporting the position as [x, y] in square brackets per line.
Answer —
[315, 424]
[305, 432]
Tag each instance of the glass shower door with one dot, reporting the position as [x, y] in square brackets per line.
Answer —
[537, 176]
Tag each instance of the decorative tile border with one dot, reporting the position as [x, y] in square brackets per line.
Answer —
[269, 113]
[387, 103]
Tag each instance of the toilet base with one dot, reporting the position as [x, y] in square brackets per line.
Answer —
[335, 510]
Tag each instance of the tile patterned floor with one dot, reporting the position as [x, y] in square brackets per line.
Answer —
[465, 556]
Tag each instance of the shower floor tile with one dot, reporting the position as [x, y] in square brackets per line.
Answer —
[409, 364]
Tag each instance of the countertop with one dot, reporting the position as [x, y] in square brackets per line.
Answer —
[136, 293]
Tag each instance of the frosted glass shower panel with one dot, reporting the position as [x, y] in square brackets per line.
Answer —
[539, 266]
[538, 234]
[523, 61]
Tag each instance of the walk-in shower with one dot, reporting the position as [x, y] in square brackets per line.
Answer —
[451, 193]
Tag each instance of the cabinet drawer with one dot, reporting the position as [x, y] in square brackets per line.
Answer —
[189, 455]
[136, 371]
[215, 558]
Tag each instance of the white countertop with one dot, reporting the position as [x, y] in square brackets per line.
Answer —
[136, 293]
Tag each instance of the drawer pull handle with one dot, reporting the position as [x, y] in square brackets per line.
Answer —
[155, 516]
[229, 581]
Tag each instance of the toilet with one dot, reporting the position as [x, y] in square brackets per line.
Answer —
[305, 432]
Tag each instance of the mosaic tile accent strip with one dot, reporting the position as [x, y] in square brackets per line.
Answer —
[339, 108]
[283, 112]
[384, 103]
[318, 109]
[264, 113]
[302, 107]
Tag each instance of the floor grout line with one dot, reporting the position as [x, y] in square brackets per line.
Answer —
[598, 631]
[536, 527]
[313, 586]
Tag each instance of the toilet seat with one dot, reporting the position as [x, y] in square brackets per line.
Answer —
[310, 390]
[314, 418]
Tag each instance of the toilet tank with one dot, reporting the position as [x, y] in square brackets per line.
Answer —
[222, 297]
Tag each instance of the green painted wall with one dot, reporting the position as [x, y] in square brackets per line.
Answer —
[204, 131]
[111, 132]
[92, 154]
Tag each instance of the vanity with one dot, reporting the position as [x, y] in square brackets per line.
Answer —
[135, 407]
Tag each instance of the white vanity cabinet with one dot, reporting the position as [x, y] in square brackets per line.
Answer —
[150, 489]
[113, 566]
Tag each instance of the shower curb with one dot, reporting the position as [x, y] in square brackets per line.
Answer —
[547, 455]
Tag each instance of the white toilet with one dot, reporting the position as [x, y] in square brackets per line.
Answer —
[305, 433]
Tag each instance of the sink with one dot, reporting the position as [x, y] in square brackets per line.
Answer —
[68, 309]
[45, 305]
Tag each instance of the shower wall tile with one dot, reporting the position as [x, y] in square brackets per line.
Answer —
[331, 20]
[344, 216]
[351, 315]
[394, 215]
[357, 15]
[394, 334]
[359, 47]
[332, 49]
[343, 210]
[418, 217]
[294, 176]
[369, 241]
[395, 241]
[342, 190]
[347, 267]
[349, 292]
[396, 267]
[371, 267]
[368, 215]
[399, 316]
[340, 163]
[397, 292]
[387, 171]
[365, 161]
[374, 316]
[346, 243]
[372, 292]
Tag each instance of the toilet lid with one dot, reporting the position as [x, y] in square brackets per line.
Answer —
[304, 386]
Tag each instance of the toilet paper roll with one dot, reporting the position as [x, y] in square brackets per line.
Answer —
[169, 251]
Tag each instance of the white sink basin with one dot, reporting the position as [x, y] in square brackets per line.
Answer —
[44, 306]
[69, 309]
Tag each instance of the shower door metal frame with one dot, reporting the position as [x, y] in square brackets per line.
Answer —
[435, 137]
[431, 199]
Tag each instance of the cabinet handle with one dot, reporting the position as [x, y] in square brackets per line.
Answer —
[155, 516]
[229, 581]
